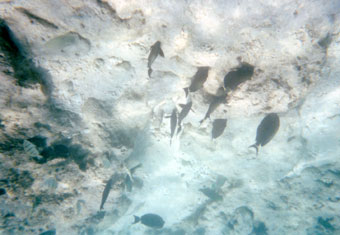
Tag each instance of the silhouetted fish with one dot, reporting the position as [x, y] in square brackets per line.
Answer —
[184, 112]
[218, 127]
[150, 220]
[217, 100]
[198, 80]
[106, 192]
[266, 130]
[238, 76]
[173, 123]
[155, 51]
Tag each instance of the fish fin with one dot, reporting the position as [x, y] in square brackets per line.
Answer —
[149, 72]
[161, 52]
[186, 90]
[181, 105]
[133, 169]
[137, 219]
[101, 206]
[167, 116]
[193, 110]
[256, 147]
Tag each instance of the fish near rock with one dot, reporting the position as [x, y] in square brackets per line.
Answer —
[32, 150]
[234, 78]
[154, 52]
[107, 189]
[216, 101]
[218, 127]
[266, 130]
[150, 220]
[184, 112]
[198, 80]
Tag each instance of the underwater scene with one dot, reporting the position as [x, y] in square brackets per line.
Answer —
[170, 117]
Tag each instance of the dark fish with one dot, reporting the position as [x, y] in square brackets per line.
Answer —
[217, 100]
[198, 80]
[238, 76]
[173, 123]
[218, 127]
[106, 192]
[184, 112]
[266, 130]
[155, 51]
[151, 220]
[212, 194]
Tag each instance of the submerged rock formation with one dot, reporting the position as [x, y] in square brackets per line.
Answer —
[74, 86]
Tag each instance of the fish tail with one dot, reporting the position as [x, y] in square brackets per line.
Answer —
[101, 206]
[256, 147]
[203, 120]
[186, 90]
[179, 128]
[137, 219]
[149, 72]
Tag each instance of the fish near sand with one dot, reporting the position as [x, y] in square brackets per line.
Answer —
[218, 127]
[184, 112]
[216, 101]
[150, 220]
[266, 130]
[234, 78]
[154, 52]
[198, 80]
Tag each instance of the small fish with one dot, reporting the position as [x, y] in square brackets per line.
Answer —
[198, 80]
[173, 123]
[150, 220]
[184, 112]
[218, 127]
[212, 194]
[106, 192]
[266, 130]
[31, 150]
[234, 78]
[217, 100]
[154, 52]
